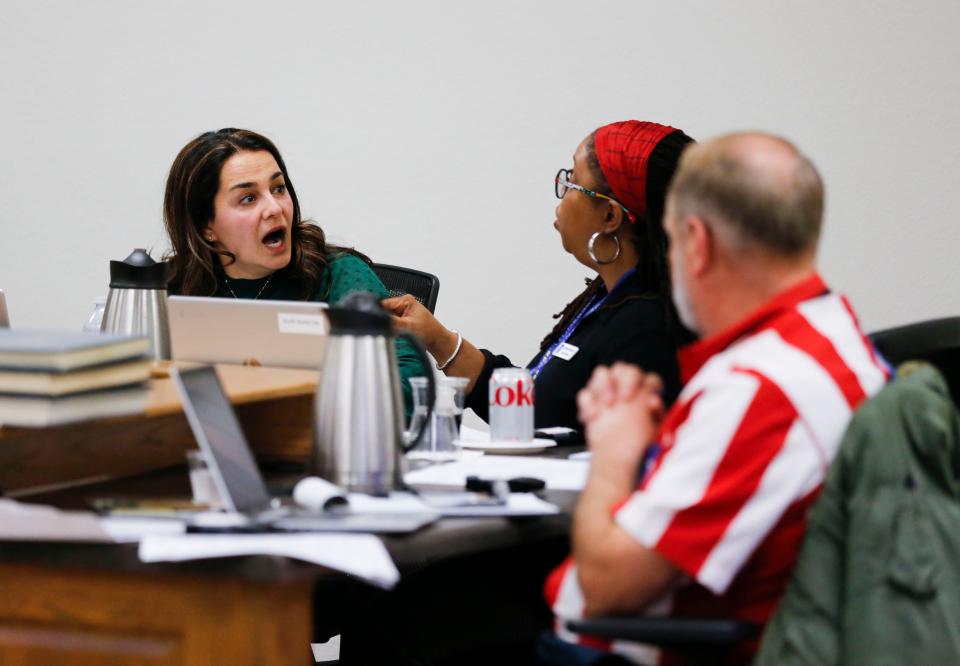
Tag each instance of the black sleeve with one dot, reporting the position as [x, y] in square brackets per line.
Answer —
[478, 398]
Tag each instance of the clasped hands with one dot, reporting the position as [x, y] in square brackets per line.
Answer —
[621, 408]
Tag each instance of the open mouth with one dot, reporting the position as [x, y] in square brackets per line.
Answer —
[275, 237]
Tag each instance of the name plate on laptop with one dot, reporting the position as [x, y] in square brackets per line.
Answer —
[301, 324]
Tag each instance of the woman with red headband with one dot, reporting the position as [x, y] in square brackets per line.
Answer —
[609, 218]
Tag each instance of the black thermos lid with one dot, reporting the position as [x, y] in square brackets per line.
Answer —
[138, 271]
[359, 313]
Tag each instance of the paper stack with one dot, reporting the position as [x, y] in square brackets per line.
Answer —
[51, 378]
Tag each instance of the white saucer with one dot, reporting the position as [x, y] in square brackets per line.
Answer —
[535, 446]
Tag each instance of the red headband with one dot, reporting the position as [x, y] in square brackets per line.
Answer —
[623, 151]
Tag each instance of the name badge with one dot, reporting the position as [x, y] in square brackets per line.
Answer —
[566, 351]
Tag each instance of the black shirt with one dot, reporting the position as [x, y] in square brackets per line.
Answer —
[631, 326]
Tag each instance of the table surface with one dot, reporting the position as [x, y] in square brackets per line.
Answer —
[61, 595]
[243, 384]
[249, 386]
[448, 537]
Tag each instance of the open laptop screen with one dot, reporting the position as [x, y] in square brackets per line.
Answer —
[281, 334]
[223, 443]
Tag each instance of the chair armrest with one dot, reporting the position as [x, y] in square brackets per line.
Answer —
[666, 631]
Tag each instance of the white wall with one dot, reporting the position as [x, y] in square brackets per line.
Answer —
[427, 133]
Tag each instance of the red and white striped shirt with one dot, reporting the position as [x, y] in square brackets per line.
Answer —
[742, 455]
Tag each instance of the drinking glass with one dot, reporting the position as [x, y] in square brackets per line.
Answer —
[420, 386]
[444, 427]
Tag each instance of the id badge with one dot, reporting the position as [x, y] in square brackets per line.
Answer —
[566, 351]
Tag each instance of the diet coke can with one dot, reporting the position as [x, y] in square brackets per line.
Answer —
[511, 405]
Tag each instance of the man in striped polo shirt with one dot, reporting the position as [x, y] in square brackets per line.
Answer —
[700, 511]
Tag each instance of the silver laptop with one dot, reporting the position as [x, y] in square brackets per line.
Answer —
[238, 479]
[285, 334]
[4, 315]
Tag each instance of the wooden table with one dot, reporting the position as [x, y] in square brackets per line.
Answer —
[275, 407]
[98, 604]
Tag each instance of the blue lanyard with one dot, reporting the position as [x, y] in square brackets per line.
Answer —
[585, 312]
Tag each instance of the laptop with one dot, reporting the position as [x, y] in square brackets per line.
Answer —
[238, 479]
[284, 334]
[4, 314]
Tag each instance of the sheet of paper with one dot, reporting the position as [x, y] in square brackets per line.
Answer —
[468, 434]
[557, 473]
[518, 504]
[22, 521]
[362, 555]
[554, 431]
[131, 530]
[398, 502]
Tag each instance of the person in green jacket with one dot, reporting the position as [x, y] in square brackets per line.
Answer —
[878, 581]
[234, 223]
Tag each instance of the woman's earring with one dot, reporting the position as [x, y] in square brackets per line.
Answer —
[592, 242]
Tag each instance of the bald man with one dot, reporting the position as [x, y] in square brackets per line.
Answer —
[700, 511]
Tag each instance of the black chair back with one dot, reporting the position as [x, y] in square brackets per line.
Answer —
[399, 280]
[936, 341]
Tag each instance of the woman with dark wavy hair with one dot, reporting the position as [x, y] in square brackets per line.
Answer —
[234, 222]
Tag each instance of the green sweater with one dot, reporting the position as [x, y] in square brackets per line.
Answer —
[346, 273]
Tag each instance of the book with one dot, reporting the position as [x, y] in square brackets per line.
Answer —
[40, 411]
[75, 381]
[59, 351]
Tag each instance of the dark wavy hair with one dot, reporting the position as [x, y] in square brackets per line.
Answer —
[646, 234]
[195, 266]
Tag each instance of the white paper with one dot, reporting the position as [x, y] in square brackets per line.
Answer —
[554, 430]
[557, 473]
[132, 530]
[441, 456]
[468, 434]
[315, 494]
[518, 504]
[362, 555]
[21, 521]
[398, 502]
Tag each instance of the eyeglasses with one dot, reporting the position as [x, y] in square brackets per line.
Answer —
[562, 183]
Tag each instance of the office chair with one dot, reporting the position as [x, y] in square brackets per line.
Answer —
[936, 341]
[705, 641]
[398, 281]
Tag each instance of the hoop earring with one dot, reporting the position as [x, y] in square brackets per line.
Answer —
[592, 242]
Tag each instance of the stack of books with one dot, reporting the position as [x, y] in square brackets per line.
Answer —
[51, 378]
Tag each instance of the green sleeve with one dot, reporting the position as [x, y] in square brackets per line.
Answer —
[348, 273]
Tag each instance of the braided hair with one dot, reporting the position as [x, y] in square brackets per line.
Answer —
[647, 236]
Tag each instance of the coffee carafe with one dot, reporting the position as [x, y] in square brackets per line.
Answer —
[358, 432]
[137, 301]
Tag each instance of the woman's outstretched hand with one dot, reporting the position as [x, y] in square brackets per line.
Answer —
[410, 315]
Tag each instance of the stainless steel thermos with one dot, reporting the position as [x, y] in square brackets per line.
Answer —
[137, 301]
[358, 432]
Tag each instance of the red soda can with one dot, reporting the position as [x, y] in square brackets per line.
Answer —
[511, 405]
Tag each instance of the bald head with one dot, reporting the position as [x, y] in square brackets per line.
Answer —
[763, 191]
